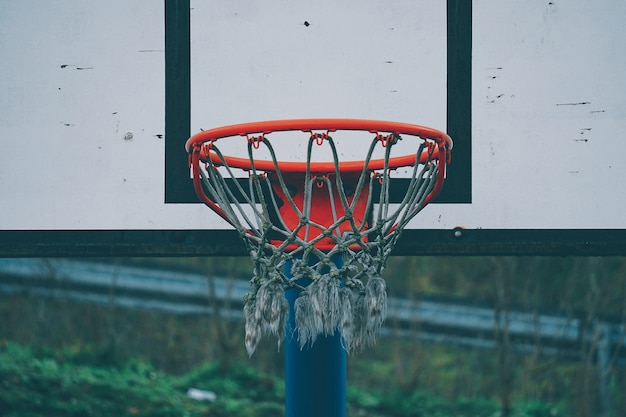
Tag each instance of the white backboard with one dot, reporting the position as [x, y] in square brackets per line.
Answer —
[98, 98]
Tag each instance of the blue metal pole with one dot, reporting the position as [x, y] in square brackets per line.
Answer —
[315, 377]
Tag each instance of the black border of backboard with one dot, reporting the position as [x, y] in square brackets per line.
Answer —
[178, 186]
[102, 243]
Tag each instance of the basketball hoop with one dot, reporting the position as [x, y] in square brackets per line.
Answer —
[322, 228]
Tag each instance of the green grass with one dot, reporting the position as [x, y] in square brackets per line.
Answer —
[52, 384]
[71, 383]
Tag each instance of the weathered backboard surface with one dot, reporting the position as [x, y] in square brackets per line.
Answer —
[98, 98]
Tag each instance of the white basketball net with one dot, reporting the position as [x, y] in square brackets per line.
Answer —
[340, 286]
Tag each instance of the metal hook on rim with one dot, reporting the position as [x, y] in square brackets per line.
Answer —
[381, 176]
[385, 140]
[319, 137]
[319, 180]
[255, 141]
[206, 147]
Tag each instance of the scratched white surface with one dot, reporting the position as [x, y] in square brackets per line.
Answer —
[78, 79]
[548, 115]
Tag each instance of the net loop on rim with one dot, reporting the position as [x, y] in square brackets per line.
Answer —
[387, 139]
[323, 229]
[319, 137]
[255, 140]
[320, 180]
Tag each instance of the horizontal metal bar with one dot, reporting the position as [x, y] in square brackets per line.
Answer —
[185, 292]
[122, 243]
